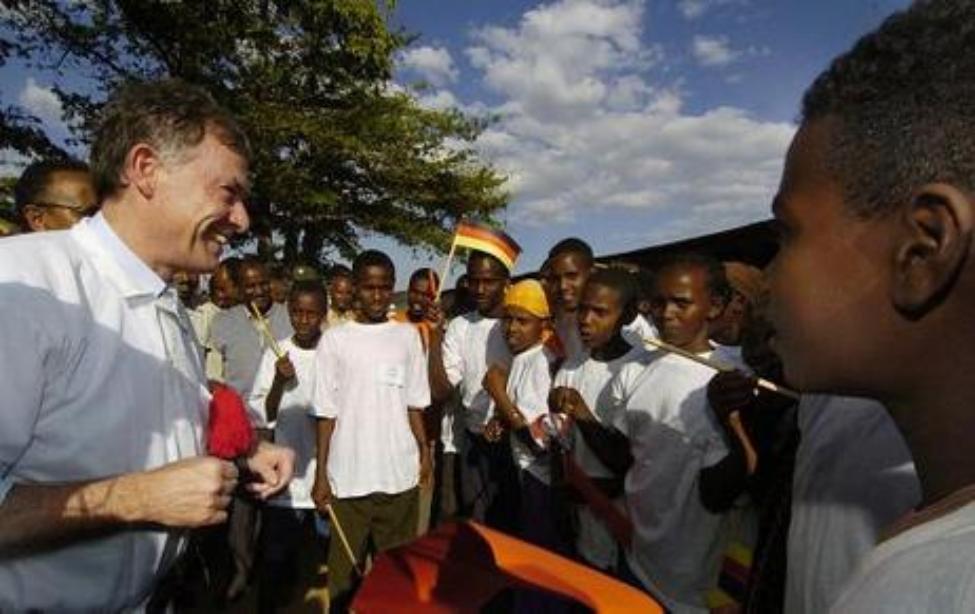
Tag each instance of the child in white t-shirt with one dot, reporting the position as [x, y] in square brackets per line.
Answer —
[370, 393]
[524, 409]
[608, 302]
[281, 395]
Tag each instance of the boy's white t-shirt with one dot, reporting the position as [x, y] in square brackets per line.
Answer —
[471, 344]
[592, 378]
[367, 376]
[295, 425]
[529, 382]
[929, 568]
[853, 477]
[639, 329]
[677, 543]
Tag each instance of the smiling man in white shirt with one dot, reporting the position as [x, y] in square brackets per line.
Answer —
[101, 437]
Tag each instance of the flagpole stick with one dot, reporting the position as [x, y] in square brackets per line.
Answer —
[266, 330]
[343, 538]
[718, 366]
[446, 269]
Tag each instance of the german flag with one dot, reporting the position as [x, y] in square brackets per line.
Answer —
[488, 240]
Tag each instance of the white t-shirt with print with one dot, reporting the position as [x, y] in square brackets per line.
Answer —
[367, 376]
[295, 425]
[677, 543]
[471, 344]
[529, 382]
[592, 378]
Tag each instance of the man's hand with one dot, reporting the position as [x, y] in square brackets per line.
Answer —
[194, 492]
[729, 392]
[273, 465]
[568, 401]
[495, 380]
[321, 494]
[435, 317]
[284, 369]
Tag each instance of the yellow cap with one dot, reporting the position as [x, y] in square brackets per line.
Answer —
[528, 295]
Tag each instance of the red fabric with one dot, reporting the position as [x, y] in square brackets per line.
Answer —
[229, 430]
[459, 567]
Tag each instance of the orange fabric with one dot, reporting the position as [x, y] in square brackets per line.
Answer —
[460, 566]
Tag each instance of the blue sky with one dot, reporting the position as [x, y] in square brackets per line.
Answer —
[624, 122]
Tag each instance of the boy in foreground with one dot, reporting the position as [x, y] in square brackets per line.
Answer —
[873, 287]
[370, 392]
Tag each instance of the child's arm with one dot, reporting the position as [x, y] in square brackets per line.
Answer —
[321, 492]
[610, 446]
[440, 386]
[284, 372]
[420, 434]
[729, 393]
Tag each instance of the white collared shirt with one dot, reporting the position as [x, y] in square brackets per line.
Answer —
[90, 391]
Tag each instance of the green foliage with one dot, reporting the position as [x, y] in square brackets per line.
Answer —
[338, 150]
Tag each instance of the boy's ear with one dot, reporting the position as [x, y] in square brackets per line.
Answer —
[932, 248]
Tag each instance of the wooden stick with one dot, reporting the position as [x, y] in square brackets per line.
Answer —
[446, 270]
[343, 539]
[272, 342]
[719, 366]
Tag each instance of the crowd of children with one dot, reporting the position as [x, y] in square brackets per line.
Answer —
[643, 421]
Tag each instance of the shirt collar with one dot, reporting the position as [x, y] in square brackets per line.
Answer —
[137, 278]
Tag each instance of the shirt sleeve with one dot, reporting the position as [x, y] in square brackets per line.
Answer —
[452, 352]
[259, 391]
[324, 395]
[617, 403]
[417, 380]
[23, 358]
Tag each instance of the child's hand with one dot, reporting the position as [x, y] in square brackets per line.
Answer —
[426, 467]
[494, 430]
[321, 494]
[495, 380]
[568, 401]
[284, 368]
[730, 391]
[434, 316]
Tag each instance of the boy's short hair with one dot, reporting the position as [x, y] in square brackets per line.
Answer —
[622, 282]
[572, 245]
[253, 262]
[500, 266]
[717, 283]
[309, 286]
[903, 100]
[170, 115]
[425, 273]
[33, 182]
[372, 258]
[232, 266]
[337, 271]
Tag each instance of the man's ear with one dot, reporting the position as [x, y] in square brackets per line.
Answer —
[932, 247]
[141, 171]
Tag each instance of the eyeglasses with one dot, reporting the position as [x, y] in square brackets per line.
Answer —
[79, 210]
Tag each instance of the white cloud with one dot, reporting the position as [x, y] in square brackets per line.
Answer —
[713, 50]
[41, 102]
[586, 125]
[432, 63]
[693, 9]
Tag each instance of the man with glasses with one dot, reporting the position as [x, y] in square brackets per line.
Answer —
[54, 194]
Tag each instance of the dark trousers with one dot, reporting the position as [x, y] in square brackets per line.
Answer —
[385, 520]
[489, 489]
[284, 534]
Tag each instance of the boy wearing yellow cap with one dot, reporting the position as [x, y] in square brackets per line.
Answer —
[521, 404]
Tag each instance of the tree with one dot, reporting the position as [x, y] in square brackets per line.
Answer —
[20, 131]
[338, 148]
